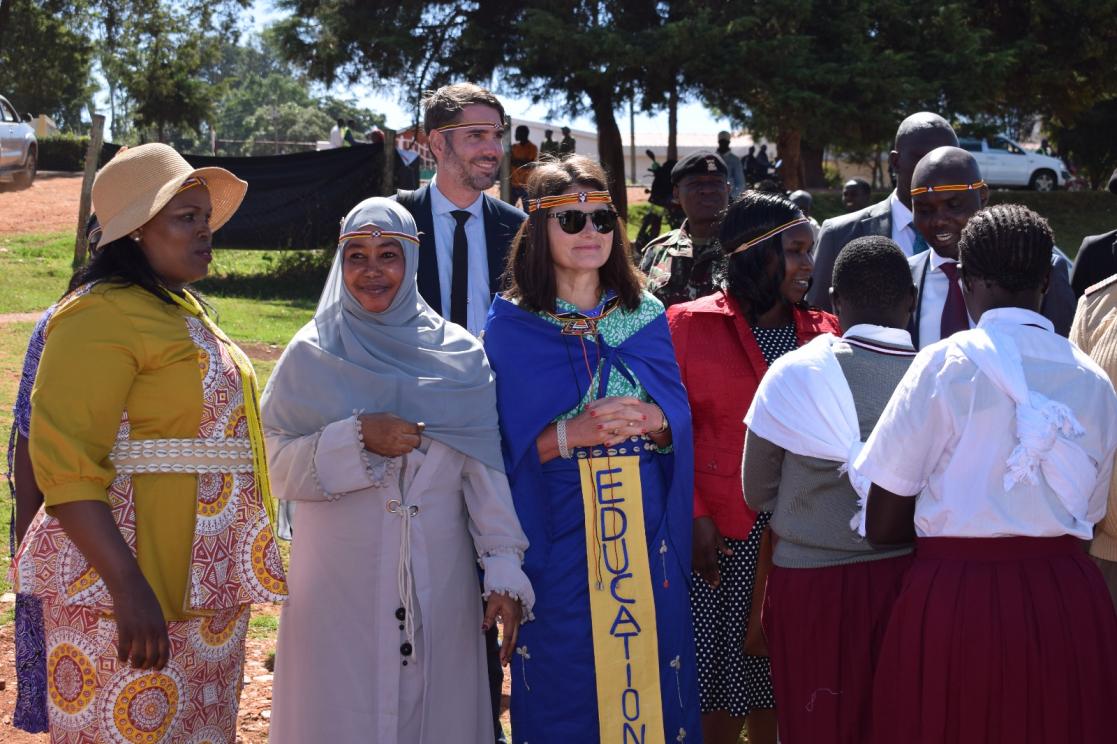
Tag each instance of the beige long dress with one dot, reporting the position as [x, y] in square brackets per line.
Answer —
[342, 674]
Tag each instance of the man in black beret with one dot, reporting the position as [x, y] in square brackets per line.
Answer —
[1097, 256]
[679, 264]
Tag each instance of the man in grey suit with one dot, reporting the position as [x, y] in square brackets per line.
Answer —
[947, 189]
[916, 136]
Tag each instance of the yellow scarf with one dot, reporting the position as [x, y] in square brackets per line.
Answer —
[622, 607]
[251, 390]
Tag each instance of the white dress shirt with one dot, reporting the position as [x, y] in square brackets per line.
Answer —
[335, 137]
[903, 232]
[947, 433]
[480, 295]
[932, 299]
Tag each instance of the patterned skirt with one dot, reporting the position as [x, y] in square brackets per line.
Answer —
[728, 678]
[30, 713]
[93, 697]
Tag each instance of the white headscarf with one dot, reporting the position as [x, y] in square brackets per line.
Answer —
[406, 360]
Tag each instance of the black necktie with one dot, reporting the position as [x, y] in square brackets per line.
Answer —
[459, 284]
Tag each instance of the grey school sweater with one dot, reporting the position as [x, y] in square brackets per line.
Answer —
[811, 503]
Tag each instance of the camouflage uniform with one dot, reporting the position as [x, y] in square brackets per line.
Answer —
[677, 270]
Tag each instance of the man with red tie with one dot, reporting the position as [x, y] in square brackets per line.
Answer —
[946, 191]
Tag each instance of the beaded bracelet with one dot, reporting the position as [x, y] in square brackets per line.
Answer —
[563, 445]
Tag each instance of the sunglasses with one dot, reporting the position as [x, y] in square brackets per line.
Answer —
[572, 221]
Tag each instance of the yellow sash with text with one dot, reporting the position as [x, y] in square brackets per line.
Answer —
[622, 609]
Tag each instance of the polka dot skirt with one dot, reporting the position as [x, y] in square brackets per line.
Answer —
[728, 679]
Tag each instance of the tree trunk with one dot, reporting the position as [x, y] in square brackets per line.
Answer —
[812, 155]
[673, 124]
[5, 14]
[610, 147]
[788, 150]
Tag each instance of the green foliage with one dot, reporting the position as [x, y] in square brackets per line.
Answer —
[163, 80]
[1090, 141]
[66, 152]
[46, 59]
[261, 96]
[1059, 57]
[63, 152]
[287, 122]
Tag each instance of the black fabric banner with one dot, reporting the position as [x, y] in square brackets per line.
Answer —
[297, 200]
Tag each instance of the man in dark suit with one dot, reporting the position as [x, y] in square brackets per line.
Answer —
[465, 234]
[916, 136]
[947, 189]
[1097, 256]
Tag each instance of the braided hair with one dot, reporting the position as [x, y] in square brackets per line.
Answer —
[1009, 245]
[749, 276]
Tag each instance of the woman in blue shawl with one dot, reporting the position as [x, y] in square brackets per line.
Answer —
[599, 453]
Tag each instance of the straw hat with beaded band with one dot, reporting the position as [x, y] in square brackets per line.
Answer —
[139, 181]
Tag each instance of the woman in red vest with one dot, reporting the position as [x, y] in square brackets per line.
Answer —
[724, 344]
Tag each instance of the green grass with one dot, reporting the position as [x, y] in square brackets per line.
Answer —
[263, 626]
[34, 270]
[262, 296]
[1072, 214]
[13, 342]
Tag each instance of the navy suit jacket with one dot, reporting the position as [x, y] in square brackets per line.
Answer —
[1058, 304]
[502, 221]
[875, 219]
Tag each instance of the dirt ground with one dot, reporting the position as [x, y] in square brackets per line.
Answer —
[50, 205]
[255, 699]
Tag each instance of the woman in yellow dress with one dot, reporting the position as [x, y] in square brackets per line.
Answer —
[156, 532]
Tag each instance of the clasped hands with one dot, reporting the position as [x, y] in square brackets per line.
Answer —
[610, 421]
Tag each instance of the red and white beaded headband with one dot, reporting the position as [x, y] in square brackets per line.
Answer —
[771, 233]
[582, 197]
[372, 231]
[468, 125]
[190, 183]
[947, 187]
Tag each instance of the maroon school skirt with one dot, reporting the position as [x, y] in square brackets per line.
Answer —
[999, 640]
[824, 628]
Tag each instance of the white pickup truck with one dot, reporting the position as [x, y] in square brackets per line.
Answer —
[1005, 163]
[19, 150]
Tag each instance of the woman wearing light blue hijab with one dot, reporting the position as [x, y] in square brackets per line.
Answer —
[381, 424]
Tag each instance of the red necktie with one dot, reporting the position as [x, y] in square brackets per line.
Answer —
[954, 315]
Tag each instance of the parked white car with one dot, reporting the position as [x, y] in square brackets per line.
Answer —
[1005, 163]
[19, 150]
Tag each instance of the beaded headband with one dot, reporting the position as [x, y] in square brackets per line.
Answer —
[582, 197]
[372, 231]
[947, 187]
[771, 234]
[467, 125]
[190, 183]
